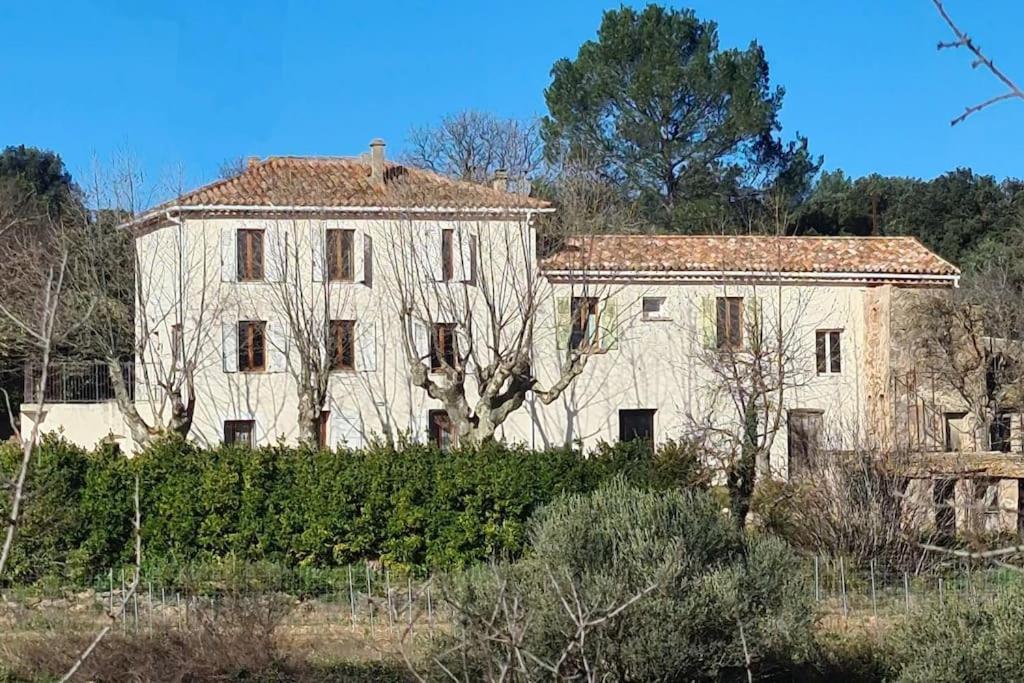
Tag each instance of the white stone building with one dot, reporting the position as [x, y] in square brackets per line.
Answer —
[226, 272]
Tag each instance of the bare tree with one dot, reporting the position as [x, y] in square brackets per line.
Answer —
[979, 58]
[159, 303]
[473, 145]
[967, 343]
[473, 305]
[38, 256]
[753, 349]
[312, 268]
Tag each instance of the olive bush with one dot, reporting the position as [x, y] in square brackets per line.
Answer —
[623, 584]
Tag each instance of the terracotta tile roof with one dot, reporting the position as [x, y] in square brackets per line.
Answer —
[345, 182]
[750, 253]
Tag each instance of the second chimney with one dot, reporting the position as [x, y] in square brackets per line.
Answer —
[500, 181]
[377, 161]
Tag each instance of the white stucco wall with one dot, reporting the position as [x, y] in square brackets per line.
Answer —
[656, 364]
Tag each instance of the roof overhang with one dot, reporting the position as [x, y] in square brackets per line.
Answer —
[166, 212]
[774, 277]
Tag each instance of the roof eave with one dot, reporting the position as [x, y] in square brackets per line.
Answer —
[774, 276]
[178, 209]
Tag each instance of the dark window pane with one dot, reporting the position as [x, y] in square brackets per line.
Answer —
[241, 432]
[636, 425]
[729, 322]
[442, 431]
[251, 346]
[442, 347]
[835, 354]
[340, 267]
[250, 254]
[584, 322]
[341, 345]
[447, 265]
[819, 352]
[1000, 432]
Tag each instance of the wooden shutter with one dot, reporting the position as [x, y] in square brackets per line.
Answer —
[367, 260]
[318, 237]
[756, 320]
[709, 321]
[608, 325]
[229, 346]
[563, 321]
[228, 255]
[275, 254]
[358, 270]
[433, 268]
[462, 256]
[275, 345]
[420, 339]
[346, 429]
[366, 346]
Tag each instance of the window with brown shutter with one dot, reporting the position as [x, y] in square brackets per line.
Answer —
[250, 255]
[828, 352]
[729, 322]
[252, 346]
[341, 345]
[447, 255]
[340, 256]
[442, 347]
[584, 332]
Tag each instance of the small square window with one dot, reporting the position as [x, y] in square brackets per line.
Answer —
[240, 432]
[654, 308]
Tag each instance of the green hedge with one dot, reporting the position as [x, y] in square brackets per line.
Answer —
[413, 507]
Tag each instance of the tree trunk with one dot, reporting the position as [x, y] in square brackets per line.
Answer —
[742, 476]
[141, 432]
[309, 418]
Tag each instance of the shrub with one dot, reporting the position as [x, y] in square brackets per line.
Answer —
[964, 639]
[667, 589]
[854, 506]
[413, 507]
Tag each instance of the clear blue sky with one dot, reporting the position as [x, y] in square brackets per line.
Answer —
[194, 82]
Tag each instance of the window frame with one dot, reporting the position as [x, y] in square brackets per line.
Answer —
[232, 428]
[1001, 432]
[828, 351]
[637, 413]
[323, 429]
[447, 254]
[246, 265]
[443, 346]
[339, 254]
[581, 310]
[338, 328]
[247, 349]
[729, 314]
[438, 425]
[659, 315]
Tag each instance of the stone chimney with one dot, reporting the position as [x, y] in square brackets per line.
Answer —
[500, 182]
[377, 161]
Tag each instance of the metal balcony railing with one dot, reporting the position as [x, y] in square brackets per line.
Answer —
[76, 382]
